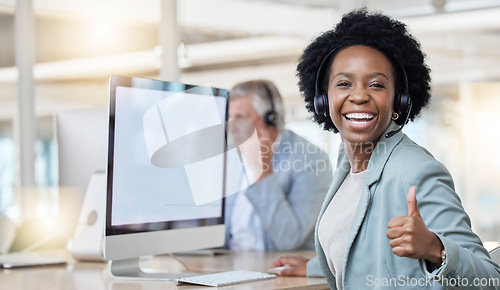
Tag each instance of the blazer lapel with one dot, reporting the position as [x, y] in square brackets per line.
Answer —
[381, 154]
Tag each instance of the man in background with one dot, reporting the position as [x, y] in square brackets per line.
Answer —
[286, 177]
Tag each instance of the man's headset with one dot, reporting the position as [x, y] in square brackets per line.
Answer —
[271, 116]
[402, 102]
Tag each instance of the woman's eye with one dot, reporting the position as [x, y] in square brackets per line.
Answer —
[342, 84]
[377, 85]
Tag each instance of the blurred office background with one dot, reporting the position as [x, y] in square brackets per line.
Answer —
[58, 55]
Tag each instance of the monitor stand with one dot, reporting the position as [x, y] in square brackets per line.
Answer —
[130, 269]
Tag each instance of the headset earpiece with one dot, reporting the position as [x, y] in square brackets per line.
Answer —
[271, 116]
[402, 103]
[321, 99]
[401, 106]
[321, 105]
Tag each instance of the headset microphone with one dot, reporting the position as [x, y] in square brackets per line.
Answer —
[391, 133]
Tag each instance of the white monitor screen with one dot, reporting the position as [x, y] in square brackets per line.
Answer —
[166, 156]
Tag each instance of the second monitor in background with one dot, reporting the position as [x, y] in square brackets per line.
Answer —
[82, 139]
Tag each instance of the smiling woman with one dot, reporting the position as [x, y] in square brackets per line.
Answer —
[392, 210]
[361, 98]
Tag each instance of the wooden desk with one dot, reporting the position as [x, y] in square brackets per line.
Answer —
[95, 276]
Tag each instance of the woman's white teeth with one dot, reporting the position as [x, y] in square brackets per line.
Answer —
[359, 117]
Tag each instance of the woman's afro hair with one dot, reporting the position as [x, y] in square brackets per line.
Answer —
[374, 30]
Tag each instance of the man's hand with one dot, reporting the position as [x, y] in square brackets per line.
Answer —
[258, 151]
[266, 143]
[409, 236]
[298, 266]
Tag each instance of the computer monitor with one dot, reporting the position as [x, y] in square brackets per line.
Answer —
[165, 171]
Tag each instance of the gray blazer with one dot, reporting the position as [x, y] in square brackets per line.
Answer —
[288, 201]
[397, 164]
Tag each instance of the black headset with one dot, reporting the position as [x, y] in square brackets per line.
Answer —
[402, 102]
[271, 116]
